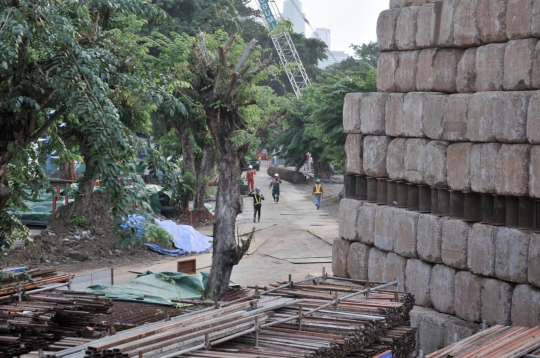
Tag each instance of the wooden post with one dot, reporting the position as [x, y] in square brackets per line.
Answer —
[66, 199]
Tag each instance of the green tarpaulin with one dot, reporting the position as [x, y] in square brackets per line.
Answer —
[159, 288]
[40, 208]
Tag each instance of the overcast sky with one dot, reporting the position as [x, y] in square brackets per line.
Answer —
[350, 21]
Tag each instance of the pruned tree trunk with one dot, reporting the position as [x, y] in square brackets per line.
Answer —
[322, 171]
[86, 188]
[188, 155]
[5, 193]
[65, 170]
[203, 172]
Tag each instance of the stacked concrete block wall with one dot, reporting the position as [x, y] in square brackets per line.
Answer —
[458, 110]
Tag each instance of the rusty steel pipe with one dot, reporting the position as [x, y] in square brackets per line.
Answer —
[488, 208]
[401, 194]
[424, 199]
[391, 193]
[499, 210]
[361, 187]
[443, 202]
[512, 211]
[412, 197]
[371, 190]
[382, 191]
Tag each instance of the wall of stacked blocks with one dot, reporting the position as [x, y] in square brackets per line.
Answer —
[443, 164]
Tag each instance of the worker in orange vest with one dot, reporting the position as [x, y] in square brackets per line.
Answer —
[250, 177]
[317, 193]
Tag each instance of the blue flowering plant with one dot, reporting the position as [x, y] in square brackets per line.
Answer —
[137, 229]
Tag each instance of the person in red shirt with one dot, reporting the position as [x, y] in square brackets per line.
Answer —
[250, 176]
[306, 161]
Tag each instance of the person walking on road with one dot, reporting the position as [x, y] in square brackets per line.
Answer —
[257, 203]
[250, 176]
[275, 187]
[317, 193]
[306, 161]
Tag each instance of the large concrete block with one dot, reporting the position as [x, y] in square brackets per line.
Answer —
[387, 65]
[458, 166]
[490, 67]
[366, 223]
[430, 326]
[534, 172]
[376, 264]
[484, 167]
[446, 70]
[513, 170]
[535, 19]
[340, 254]
[395, 269]
[430, 238]
[511, 255]
[353, 154]
[519, 19]
[407, 27]
[348, 215]
[394, 114]
[418, 281]
[467, 297]
[466, 33]
[386, 30]
[427, 25]
[455, 238]
[481, 115]
[395, 159]
[358, 261]
[435, 164]
[414, 160]
[398, 4]
[384, 229]
[433, 116]
[492, 20]
[456, 329]
[375, 150]
[533, 119]
[496, 302]
[405, 77]
[510, 117]
[405, 226]
[534, 260]
[526, 306]
[445, 37]
[455, 117]
[373, 113]
[481, 249]
[351, 112]
[518, 64]
[466, 72]
[442, 288]
[426, 68]
[414, 106]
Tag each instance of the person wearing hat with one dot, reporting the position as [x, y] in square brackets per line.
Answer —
[317, 193]
[250, 177]
[275, 187]
[257, 202]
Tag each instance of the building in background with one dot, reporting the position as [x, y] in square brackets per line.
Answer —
[291, 13]
[324, 35]
[333, 57]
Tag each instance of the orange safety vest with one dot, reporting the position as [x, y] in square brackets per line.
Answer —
[318, 189]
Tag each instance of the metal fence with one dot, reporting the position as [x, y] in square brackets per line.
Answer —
[102, 277]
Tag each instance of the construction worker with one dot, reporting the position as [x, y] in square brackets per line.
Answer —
[317, 193]
[275, 187]
[257, 202]
[250, 177]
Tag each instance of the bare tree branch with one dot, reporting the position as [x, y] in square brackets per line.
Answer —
[230, 42]
[245, 55]
[189, 100]
[202, 46]
[248, 103]
[231, 84]
[46, 126]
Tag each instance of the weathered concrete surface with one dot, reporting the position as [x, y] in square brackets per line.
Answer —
[442, 288]
[377, 263]
[430, 329]
[430, 238]
[373, 113]
[340, 254]
[405, 75]
[374, 155]
[511, 255]
[445, 37]
[446, 70]
[366, 223]
[435, 164]
[536, 58]
[387, 64]
[351, 112]
[492, 20]
[398, 4]
[407, 27]
[535, 20]
[395, 159]
[534, 172]
[425, 75]
[353, 154]
[456, 329]
[358, 261]
[432, 116]
[467, 298]
[348, 215]
[513, 170]
[466, 33]
[455, 118]
[458, 163]
[525, 303]
[418, 281]
[394, 114]
[510, 116]
[413, 111]
[484, 167]
[455, 238]
[534, 260]
[518, 64]
[533, 118]
[481, 249]
[395, 269]
[490, 67]
[386, 30]
[481, 116]
[414, 160]
[518, 19]
[466, 72]
[496, 302]
[384, 229]
[405, 226]
[427, 26]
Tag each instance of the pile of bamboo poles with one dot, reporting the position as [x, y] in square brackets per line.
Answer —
[400, 340]
[497, 341]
